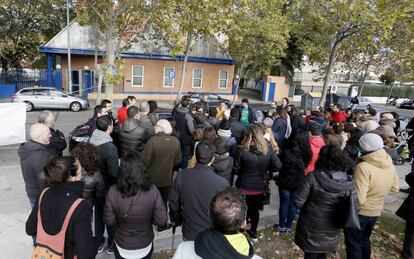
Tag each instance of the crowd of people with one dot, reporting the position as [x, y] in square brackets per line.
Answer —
[208, 169]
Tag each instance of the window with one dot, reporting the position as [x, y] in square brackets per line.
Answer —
[138, 76]
[55, 93]
[43, 92]
[26, 92]
[213, 97]
[197, 78]
[169, 76]
[223, 79]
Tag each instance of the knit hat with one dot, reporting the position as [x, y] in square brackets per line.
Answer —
[165, 126]
[371, 142]
[387, 116]
[268, 122]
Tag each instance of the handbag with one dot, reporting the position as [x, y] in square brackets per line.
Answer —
[52, 246]
[352, 217]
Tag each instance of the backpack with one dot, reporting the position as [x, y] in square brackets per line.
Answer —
[81, 133]
[51, 246]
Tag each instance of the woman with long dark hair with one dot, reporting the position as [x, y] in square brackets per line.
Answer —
[281, 127]
[152, 114]
[133, 205]
[295, 160]
[63, 176]
[322, 200]
[94, 191]
[253, 160]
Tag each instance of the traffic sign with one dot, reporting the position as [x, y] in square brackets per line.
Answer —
[171, 75]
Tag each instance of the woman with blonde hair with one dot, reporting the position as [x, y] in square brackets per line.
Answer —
[253, 159]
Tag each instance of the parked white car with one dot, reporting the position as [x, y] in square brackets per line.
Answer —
[399, 101]
[49, 98]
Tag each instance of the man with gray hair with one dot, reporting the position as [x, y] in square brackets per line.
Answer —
[34, 155]
[144, 109]
[161, 154]
[57, 141]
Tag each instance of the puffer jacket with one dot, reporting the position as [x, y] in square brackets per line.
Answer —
[322, 202]
[133, 136]
[251, 166]
[368, 123]
[223, 166]
[292, 174]
[333, 139]
[94, 185]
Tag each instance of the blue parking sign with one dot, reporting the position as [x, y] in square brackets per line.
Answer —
[171, 75]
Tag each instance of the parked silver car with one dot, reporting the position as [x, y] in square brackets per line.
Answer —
[49, 98]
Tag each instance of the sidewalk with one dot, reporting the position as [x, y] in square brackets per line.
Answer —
[15, 208]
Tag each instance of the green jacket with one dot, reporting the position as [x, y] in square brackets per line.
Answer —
[161, 153]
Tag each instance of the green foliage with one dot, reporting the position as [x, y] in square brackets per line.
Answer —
[381, 90]
[258, 35]
[25, 25]
[388, 77]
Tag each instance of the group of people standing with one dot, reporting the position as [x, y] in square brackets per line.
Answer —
[209, 169]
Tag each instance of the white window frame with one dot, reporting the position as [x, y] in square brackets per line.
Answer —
[219, 79]
[163, 78]
[132, 76]
[201, 79]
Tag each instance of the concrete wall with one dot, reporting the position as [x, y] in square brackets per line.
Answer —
[154, 77]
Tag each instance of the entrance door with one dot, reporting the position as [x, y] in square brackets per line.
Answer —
[76, 82]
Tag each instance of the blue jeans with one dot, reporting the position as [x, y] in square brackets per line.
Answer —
[287, 209]
[185, 156]
[358, 243]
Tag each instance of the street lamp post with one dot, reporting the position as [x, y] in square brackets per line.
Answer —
[69, 50]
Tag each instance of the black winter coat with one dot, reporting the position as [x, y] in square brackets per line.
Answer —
[252, 167]
[190, 198]
[94, 186]
[57, 142]
[132, 136]
[54, 207]
[321, 200]
[292, 174]
[352, 149]
[237, 130]
[223, 166]
[33, 158]
[406, 211]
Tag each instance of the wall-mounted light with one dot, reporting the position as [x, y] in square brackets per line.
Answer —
[58, 67]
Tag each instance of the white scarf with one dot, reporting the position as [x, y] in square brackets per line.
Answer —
[288, 127]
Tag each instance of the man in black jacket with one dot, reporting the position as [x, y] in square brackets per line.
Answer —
[132, 135]
[57, 140]
[236, 127]
[34, 155]
[185, 128]
[192, 191]
[98, 111]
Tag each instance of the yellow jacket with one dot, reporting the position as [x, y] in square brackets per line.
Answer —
[375, 177]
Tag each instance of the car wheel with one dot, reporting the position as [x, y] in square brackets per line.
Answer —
[75, 106]
[29, 106]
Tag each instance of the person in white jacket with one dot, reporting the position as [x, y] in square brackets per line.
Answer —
[224, 240]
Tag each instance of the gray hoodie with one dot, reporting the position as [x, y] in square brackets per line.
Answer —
[100, 137]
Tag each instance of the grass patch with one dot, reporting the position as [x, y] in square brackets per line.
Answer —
[386, 240]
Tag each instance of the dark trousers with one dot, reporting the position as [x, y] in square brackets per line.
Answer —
[164, 191]
[185, 156]
[408, 246]
[99, 225]
[316, 256]
[358, 243]
[118, 256]
[254, 204]
[287, 209]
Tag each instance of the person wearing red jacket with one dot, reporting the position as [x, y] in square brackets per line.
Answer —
[337, 115]
[122, 112]
[316, 143]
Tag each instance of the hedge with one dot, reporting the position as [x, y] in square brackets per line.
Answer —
[383, 91]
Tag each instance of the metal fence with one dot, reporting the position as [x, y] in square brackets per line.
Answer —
[22, 78]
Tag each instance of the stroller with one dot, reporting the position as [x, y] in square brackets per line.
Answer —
[404, 148]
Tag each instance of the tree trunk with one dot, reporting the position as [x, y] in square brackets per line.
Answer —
[98, 95]
[110, 61]
[96, 82]
[184, 66]
[332, 59]
[239, 73]
[361, 88]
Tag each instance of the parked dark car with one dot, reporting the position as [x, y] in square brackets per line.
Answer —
[212, 99]
[407, 104]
